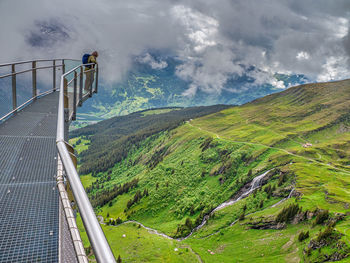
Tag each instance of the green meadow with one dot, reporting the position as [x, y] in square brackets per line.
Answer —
[170, 180]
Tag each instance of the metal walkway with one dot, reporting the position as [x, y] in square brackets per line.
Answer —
[29, 200]
[39, 182]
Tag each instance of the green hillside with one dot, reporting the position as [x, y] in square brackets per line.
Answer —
[168, 181]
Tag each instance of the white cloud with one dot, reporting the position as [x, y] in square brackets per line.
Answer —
[148, 59]
[200, 29]
[333, 69]
[302, 55]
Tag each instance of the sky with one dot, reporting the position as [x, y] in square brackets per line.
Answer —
[213, 39]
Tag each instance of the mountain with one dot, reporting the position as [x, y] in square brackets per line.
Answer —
[267, 181]
[146, 86]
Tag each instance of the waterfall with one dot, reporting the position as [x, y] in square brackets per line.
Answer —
[254, 185]
[290, 194]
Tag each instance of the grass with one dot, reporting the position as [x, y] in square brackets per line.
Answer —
[135, 244]
[79, 144]
[257, 245]
[245, 141]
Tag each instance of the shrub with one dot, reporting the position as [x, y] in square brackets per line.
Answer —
[326, 234]
[250, 172]
[188, 223]
[303, 235]
[281, 179]
[242, 216]
[321, 217]
[288, 213]
[206, 144]
[192, 211]
[261, 204]
[185, 229]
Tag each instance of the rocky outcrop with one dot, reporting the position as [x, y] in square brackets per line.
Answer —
[265, 225]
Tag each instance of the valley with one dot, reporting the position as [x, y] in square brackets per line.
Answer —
[267, 181]
[144, 88]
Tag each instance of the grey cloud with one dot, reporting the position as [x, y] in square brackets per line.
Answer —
[215, 39]
[347, 45]
[294, 36]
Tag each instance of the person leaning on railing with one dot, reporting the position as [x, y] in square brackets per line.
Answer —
[89, 71]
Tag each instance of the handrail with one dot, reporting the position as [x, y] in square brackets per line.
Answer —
[33, 68]
[94, 231]
[36, 60]
[28, 70]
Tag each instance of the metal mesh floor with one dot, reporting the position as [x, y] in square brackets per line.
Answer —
[29, 200]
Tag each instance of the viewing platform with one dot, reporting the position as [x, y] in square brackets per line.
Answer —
[37, 222]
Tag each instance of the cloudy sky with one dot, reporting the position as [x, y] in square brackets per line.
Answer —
[214, 39]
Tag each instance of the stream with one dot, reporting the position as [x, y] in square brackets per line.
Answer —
[256, 183]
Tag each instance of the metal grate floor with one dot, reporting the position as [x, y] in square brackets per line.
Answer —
[29, 200]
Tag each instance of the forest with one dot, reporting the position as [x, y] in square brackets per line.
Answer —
[111, 140]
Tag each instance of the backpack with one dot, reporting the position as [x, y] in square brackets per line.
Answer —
[85, 58]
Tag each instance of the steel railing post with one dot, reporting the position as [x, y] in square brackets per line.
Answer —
[81, 86]
[75, 96]
[14, 91]
[66, 99]
[66, 107]
[54, 75]
[91, 72]
[63, 67]
[96, 83]
[34, 79]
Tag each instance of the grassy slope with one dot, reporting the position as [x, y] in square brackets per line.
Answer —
[140, 246]
[267, 133]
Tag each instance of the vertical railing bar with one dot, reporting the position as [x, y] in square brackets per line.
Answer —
[96, 83]
[75, 96]
[63, 67]
[54, 75]
[14, 90]
[81, 86]
[34, 79]
[91, 73]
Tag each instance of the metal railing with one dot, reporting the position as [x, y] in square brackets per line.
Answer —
[34, 67]
[66, 113]
[68, 102]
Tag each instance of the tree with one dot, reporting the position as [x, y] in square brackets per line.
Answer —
[242, 216]
[119, 260]
[261, 204]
